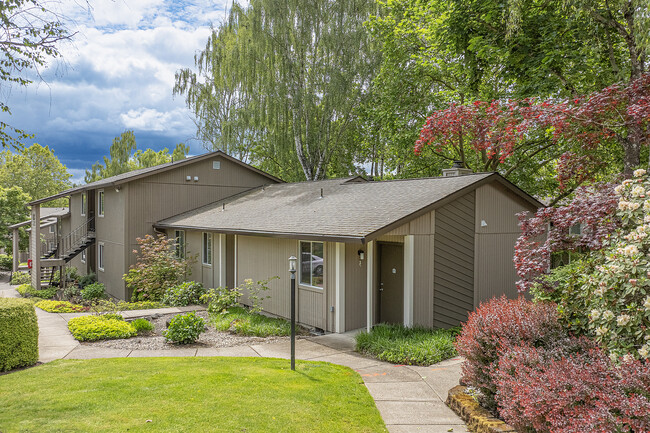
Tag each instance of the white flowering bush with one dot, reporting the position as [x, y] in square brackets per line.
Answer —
[618, 291]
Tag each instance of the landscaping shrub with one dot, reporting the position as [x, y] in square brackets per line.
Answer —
[20, 278]
[72, 274]
[254, 292]
[59, 306]
[93, 292]
[157, 269]
[184, 294]
[219, 300]
[142, 325]
[240, 321]
[545, 390]
[28, 291]
[72, 291]
[107, 327]
[87, 280]
[6, 262]
[184, 328]
[410, 346]
[111, 305]
[18, 334]
[497, 325]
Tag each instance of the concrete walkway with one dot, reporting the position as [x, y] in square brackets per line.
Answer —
[409, 399]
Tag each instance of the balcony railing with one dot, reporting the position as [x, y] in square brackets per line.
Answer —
[77, 238]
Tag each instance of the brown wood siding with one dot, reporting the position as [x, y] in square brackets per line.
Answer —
[110, 230]
[454, 262]
[75, 221]
[495, 242]
[330, 275]
[423, 282]
[161, 196]
[355, 287]
[261, 258]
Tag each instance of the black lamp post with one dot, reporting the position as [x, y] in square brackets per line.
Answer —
[292, 270]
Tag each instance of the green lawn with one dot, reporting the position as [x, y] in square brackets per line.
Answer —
[411, 346]
[186, 395]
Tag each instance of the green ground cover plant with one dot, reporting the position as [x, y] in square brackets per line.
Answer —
[105, 327]
[111, 305]
[20, 278]
[28, 291]
[155, 394]
[410, 346]
[93, 291]
[241, 321]
[18, 334]
[59, 306]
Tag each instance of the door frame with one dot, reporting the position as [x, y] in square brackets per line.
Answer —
[378, 289]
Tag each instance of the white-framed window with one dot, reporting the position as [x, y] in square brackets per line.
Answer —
[83, 203]
[100, 256]
[52, 228]
[206, 256]
[179, 235]
[100, 202]
[83, 256]
[312, 264]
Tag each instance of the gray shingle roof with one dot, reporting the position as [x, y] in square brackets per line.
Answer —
[47, 213]
[347, 210]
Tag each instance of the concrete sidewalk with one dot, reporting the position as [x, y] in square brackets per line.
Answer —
[409, 399]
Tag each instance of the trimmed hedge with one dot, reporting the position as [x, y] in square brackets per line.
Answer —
[18, 334]
[59, 306]
[28, 291]
[108, 327]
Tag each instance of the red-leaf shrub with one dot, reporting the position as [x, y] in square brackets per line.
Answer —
[547, 391]
[497, 325]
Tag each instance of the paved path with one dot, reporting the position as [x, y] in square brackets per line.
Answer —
[410, 399]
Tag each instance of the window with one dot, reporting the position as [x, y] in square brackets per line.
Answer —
[311, 264]
[83, 204]
[180, 243]
[83, 256]
[100, 256]
[52, 228]
[100, 203]
[207, 249]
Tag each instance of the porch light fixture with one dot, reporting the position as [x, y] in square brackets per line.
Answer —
[118, 188]
[292, 270]
[362, 254]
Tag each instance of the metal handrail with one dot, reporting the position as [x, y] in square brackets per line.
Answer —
[76, 237]
[45, 244]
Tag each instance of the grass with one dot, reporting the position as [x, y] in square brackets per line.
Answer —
[186, 395]
[409, 346]
[241, 321]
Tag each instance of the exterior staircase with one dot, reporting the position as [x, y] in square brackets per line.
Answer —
[77, 240]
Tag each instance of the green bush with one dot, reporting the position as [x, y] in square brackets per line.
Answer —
[184, 294]
[28, 291]
[142, 325]
[220, 299]
[240, 321]
[6, 262]
[92, 328]
[184, 328]
[93, 291]
[72, 274]
[87, 280]
[72, 291]
[59, 306]
[18, 334]
[20, 278]
[410, 346]
[107, 305]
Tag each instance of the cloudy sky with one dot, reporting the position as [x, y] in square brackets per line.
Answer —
[116, 75]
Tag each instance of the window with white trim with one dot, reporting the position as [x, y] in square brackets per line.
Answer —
[83, 256]
[100, 203]
[311, 264]
[52, 228]
[179, 235]
[83, 203]
[206, 256]
[100, 256]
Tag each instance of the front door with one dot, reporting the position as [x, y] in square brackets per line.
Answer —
[391, 283]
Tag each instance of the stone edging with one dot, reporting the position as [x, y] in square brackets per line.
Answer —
[478, 420]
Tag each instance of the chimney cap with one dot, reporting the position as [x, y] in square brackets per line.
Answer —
[458, 164]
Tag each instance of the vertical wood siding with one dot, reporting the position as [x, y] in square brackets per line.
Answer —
[355, 287]
[330, 275]
[454, 262]
[495, 242]
[110, 230]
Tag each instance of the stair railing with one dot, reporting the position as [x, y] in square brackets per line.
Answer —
[76, 237]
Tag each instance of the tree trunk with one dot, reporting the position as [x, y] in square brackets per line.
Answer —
[632, 148]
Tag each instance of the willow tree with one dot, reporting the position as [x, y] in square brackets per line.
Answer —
[279, 82]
